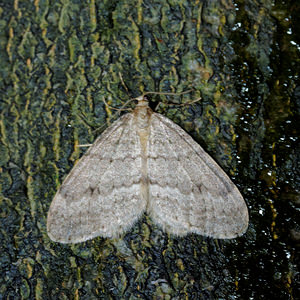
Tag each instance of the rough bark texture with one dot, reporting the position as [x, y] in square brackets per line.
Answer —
[59, 61]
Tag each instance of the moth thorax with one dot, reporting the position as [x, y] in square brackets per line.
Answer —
[142, 113]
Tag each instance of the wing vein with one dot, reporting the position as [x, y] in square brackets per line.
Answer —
[182, 165]
[213, 168]
[101, 174]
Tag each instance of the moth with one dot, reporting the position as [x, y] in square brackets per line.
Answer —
[143, 163]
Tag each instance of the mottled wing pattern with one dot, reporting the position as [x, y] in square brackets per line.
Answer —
[188, 191]
[103, 186]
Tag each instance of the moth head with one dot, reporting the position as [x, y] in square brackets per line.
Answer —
[142, 101]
